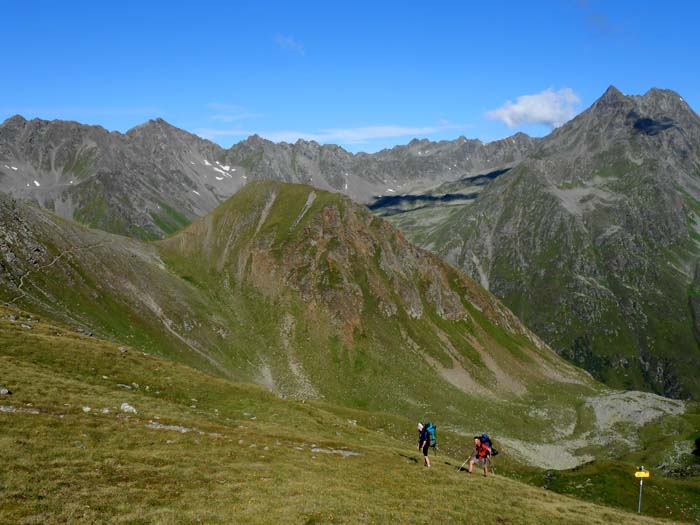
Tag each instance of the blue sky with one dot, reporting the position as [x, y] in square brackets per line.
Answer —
[366, 75]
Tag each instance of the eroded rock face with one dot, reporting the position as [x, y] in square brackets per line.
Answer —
[344, 257]
[593, 240]
[20, 251]
[338, 256]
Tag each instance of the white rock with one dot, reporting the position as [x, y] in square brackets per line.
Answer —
[128, 409]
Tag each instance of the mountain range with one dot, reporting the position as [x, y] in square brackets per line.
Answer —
[589, 234]
[156, 179]
[313, 297]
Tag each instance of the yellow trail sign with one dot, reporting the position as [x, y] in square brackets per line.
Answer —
[642, 474]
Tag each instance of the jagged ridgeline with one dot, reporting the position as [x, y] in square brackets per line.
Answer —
[299, 290]
[592, 240]
[150, 181]
[155, 179]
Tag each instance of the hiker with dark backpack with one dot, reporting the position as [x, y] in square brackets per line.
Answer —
[483, 451]
[426, 439]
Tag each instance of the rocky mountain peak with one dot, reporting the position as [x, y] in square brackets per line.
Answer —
[617, 119]
[658, 95]
[14, 120]
[665, 103]
[156, 126]
[612, 93]
[255, 140]
[611, 101]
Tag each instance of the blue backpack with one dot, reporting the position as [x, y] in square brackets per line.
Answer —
[487, 441]
[433, 437]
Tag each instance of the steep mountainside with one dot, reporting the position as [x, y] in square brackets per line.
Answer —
[156, 179]
[313, 297]
[593, 241]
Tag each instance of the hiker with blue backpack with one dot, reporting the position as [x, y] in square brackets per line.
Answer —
[426, 439]
[483, 452]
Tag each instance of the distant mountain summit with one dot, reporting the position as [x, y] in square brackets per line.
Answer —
[615, 117]
[594, 240]
[151, 181]
[156, 178]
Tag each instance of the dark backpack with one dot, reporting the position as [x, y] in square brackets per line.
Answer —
[486, 440]
[431, 431]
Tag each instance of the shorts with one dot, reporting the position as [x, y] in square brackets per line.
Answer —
[481, 462]
[425, 450]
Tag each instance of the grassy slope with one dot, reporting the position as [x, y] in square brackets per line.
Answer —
[250, 459]
[198, 301]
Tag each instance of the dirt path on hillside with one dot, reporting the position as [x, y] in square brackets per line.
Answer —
[54, 261]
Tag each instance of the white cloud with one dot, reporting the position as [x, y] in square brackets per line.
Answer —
[230, 113]
[358, 135]
[223, 117]
[549, 107]
[210, 133]
[289, 43]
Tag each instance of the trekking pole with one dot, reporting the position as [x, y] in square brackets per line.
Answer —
[462, 465]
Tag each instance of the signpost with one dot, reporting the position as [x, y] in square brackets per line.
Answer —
[641, 474]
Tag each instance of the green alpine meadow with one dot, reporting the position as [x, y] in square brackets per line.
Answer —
[101, 433]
